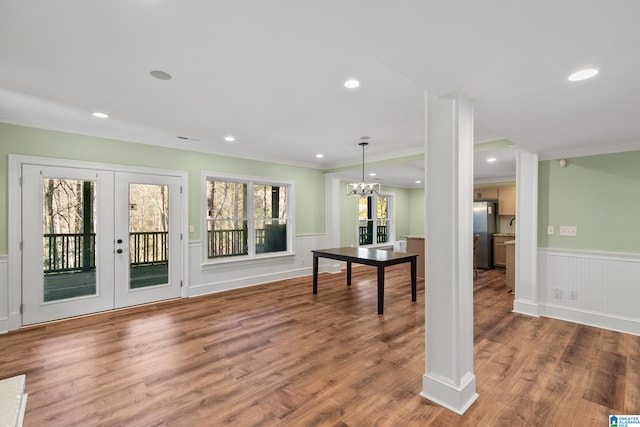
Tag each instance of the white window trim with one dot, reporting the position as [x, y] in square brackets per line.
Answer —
[391, 229]
[249, 180]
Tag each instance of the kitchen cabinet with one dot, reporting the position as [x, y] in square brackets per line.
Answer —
[507, 201]
[500, 250]
[415, 245]
[511, 265]
[485, 193]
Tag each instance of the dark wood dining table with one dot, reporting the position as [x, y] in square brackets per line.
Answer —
[377, 257]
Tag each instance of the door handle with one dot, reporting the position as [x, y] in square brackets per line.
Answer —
[119, 251]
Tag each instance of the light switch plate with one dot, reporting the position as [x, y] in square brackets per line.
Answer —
[568, 230]
[550, 230]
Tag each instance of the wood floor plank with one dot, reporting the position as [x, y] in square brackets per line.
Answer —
[276, 354]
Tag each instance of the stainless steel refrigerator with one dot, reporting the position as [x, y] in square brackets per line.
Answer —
[484, 224]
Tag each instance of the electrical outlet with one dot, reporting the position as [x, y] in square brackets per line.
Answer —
[550, 230]
[573, 294]
[568, 230]
[557, 292]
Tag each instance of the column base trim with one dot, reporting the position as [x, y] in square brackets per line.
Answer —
[456, 399]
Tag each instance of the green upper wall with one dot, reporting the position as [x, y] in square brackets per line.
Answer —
[310, 209]
[598, 194]
[417, 209]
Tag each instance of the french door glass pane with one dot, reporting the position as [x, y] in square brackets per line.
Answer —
[148, 235]
[68, 220]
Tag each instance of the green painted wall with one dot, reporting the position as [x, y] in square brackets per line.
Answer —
[598, 194]
[310, 209]
[417, 209]
[403, 210]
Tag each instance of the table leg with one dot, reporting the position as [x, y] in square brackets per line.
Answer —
[315, 274]
[413, 279]
[348, 273]
[380, 289]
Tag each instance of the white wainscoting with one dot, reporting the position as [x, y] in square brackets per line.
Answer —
[4, 294]
[606, 285]
[206, 279]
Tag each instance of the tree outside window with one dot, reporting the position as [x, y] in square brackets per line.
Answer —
[227, 223]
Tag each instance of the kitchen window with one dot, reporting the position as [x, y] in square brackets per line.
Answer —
[247, 217]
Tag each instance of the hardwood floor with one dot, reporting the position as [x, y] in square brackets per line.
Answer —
[278, 355]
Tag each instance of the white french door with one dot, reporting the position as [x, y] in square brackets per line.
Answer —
[147, 238]
[94, 240]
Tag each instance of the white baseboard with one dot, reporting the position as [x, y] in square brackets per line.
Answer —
[599, 320]
[530, 308]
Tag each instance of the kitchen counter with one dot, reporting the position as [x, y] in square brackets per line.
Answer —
[415, 245]
[500, 249]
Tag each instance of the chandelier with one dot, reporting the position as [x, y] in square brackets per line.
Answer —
[363, 188]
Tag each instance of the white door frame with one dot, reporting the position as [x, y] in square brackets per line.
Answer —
[14, 265]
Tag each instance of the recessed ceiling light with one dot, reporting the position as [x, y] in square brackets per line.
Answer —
[319, 155]
[160, 75]
[418, 182]
[372, 174]
[229, 138]
[351, 84]
[100, 115]
[491, 159]
[583, 75]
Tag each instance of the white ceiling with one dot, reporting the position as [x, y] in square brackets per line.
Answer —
[271, 74]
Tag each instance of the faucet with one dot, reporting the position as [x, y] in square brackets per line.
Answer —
[511, 222]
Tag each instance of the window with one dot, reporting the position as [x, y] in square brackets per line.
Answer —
[374, 220]
[247, 217]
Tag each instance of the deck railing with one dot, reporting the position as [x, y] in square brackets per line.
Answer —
[366, 239]
[224, 243]
[148, 248]
[66, 252]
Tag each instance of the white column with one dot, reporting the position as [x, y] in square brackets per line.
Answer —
[526, 288]
[449, 380]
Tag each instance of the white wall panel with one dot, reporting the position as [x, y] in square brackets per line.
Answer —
[606, 285]
[4, 294]
[209, 278]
